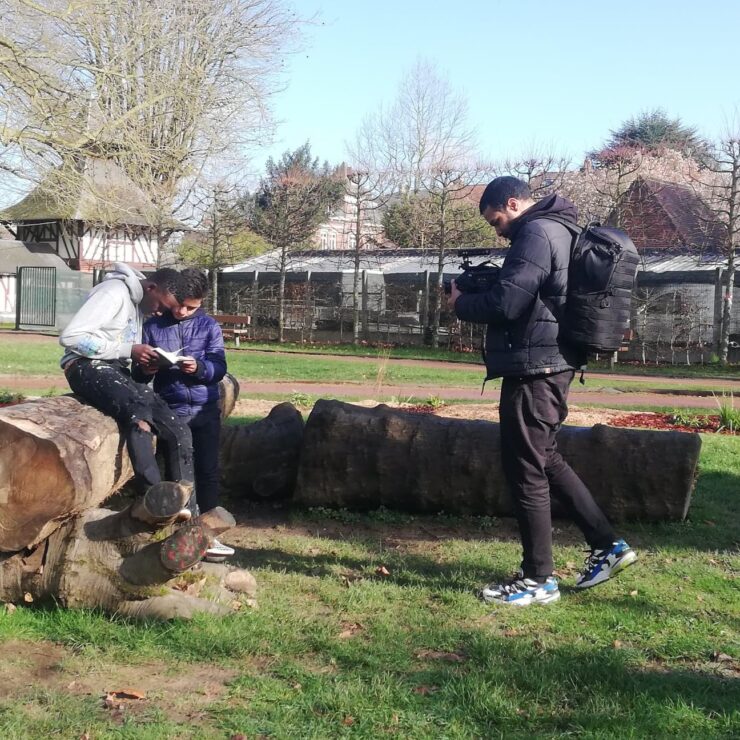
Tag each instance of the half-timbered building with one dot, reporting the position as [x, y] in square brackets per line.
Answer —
[91, 216]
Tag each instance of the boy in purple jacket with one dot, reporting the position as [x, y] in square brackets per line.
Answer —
[190, 387]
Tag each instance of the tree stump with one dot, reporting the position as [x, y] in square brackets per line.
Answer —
[362, 458]
[58, 457]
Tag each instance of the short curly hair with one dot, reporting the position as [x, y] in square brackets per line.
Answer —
[195, 283]
[169, 280]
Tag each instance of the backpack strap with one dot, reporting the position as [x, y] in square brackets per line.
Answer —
[574, 229]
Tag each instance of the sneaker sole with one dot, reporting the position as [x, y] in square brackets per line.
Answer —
[628, 559]
[535, 602]
[526, 602]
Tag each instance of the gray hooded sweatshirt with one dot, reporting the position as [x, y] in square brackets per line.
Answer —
[109, 322]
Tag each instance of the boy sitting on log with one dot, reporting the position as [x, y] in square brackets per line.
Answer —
[100, 341]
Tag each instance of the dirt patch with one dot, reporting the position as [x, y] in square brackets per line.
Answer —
[180, 691]
[485, 411]
[654, 420]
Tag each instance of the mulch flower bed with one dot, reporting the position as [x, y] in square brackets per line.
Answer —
[649, 420]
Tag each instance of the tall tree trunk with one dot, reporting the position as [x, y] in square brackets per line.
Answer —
[437, 290]
[281, 293]
[724, 346]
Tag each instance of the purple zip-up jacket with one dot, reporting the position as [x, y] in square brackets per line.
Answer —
[200, 337]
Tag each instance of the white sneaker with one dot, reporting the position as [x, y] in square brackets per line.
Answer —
[218, 552]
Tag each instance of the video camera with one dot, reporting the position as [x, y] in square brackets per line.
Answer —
[474, 278]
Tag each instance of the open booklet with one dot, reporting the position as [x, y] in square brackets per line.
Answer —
[171, 358]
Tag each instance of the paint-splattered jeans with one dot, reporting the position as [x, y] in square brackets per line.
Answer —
[107, 385]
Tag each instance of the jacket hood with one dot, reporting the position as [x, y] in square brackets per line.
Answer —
[132, 278]
[553, 205]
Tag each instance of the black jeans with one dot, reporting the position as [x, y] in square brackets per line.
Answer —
[531, 412]
[107, 385]
[206, 430]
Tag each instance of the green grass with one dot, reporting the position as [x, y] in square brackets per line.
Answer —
[337, 650]
[35, 358]
[364, 350]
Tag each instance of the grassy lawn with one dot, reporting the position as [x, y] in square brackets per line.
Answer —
[34, 358]
[338, 649]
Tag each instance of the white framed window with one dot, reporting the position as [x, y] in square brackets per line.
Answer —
[324, 240]
[332, 240]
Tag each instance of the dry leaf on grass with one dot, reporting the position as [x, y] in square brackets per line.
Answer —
[348, 721]
[381, 570]
[425, 690]
[126, 695]
[350, 629]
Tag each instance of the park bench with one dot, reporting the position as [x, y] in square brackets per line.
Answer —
[234, 327]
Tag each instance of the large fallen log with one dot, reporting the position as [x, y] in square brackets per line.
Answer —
[59, 457]
[260, 460]
[362, 458]
[113, 561]
[59, 460]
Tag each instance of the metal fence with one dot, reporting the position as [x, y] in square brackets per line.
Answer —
[675, 316]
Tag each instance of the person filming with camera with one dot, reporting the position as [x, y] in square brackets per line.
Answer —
[523, 347]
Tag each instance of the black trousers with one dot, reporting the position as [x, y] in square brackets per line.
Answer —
[531, 412]
[205, 428]
[107, 385]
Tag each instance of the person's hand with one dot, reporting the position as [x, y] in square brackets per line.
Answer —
[189, 365]
[144, 355]
[454, 295]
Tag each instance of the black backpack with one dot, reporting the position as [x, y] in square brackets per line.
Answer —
[601, 277]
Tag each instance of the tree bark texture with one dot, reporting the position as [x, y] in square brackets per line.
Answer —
[59, 457]
[228, 394]
[110, 560]
[260, 460]
[362, 458]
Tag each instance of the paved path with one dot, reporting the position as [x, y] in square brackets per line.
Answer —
[603, 378]
[596, 390]
[609, 398]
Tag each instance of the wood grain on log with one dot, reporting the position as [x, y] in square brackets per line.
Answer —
[362, 458]
[58, 457]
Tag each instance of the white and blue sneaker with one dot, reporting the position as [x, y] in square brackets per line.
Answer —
[601, 565]
[520, 591]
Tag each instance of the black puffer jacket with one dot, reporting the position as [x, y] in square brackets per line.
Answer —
[523, 307]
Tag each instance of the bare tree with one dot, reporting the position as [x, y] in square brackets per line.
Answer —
[719, 181]
[164, 87]
[425, 126]
[221, 237]
[424, 139]
[541, 168]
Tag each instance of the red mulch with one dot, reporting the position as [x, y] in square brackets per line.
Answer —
[667, 421]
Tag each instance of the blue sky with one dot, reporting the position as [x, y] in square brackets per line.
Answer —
[556, 74]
